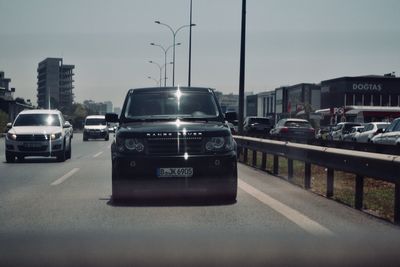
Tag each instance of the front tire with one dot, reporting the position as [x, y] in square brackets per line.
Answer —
[61, 157]
[114, 192]
[10, 157]
[69, 152]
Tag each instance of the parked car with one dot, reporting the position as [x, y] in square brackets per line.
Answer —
[297, 129]
[38, 133]
[370, 130]
[172, 142]
[354, 132]
[390, 135]
[257, 126]
[95, 128]
[341, 129]
[323, 133]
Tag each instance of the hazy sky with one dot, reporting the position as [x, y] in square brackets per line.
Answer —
[288, 42]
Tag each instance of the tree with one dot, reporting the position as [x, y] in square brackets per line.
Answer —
[79, 114]
[3, 121]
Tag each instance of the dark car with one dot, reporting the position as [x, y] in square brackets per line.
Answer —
[257, 126]
[293, 129]
[172, 142]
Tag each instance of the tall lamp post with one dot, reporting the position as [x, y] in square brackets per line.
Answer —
[165, 58]
[174, 32]
[160, 67]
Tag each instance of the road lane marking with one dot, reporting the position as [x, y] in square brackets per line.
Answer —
[298, 218]
[97, 154]
[65, 177]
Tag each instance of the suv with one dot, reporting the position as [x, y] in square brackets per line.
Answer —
[38, 133]
[95, 127]
[257, 126]
[172, 141]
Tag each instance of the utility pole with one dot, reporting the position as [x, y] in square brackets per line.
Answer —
[190, 45]
[242, 69]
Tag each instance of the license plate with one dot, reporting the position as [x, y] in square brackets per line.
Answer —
[175, 172]
[32, 145]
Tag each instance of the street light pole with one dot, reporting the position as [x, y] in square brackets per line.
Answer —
[190, 46]
[165, 59]
[159, 66]
[173, 44]
[242, 69]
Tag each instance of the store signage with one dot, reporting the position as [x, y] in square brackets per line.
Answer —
[367, 87]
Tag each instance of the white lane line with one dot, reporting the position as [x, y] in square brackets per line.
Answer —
[65, 177]
[298, 218]
[97, 154]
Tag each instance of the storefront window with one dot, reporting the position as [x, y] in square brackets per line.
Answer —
[367, 100]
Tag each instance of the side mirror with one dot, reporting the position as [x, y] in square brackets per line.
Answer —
[67, 124]
[231, 116]
[380, 131]
[112, 117]
[9, 126]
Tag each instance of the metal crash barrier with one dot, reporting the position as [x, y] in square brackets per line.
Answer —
[363, 164]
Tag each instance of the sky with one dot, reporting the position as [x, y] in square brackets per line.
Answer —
[287, 42]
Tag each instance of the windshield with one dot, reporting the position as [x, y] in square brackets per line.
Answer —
[37, 120]
[298, 124]
[171, 105]
[260, 121]
[96, 122]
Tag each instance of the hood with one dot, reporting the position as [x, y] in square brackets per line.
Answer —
[35, 130]
[154, 129]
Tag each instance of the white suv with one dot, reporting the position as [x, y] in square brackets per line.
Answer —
[38, 133]
[95, 127]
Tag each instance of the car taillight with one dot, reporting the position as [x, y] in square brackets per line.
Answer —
[284, 130]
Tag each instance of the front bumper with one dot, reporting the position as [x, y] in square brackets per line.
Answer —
[46, 148]
[136, 176]
[95, 134]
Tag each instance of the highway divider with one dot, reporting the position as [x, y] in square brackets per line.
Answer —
[363, 164]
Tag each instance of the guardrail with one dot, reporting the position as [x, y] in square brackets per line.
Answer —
[362, 164]
[367, 147]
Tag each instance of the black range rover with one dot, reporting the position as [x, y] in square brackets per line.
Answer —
[172, 142]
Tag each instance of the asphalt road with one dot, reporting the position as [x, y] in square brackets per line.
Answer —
[60, 214]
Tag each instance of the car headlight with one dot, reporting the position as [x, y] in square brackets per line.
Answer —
[218, 144]
[130, 145]
[55, 136]
[11, 136]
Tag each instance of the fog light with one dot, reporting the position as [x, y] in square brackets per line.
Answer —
[133, 164]
[217, 162]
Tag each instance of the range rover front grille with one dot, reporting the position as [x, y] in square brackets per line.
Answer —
[174, 146]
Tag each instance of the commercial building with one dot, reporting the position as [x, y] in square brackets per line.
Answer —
[266, 104]
[55, 84]
[95, 108]
[8, 104]
[5, 91]
[372, 90]
[109, 106]
[370, 97]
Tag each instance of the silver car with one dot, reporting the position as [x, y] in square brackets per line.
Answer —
[390, 135]
[370, 130]
[38, 133]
